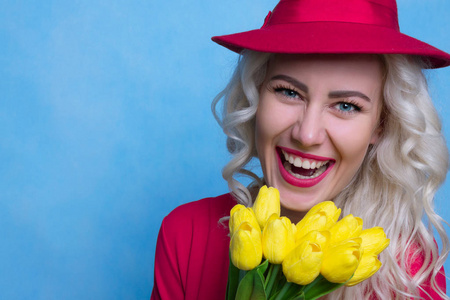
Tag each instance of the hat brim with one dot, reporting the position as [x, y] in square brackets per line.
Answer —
[332, 37]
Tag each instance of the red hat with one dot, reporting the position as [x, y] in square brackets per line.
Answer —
[333, 26]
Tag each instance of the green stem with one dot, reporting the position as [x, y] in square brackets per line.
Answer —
[318, 281]
[283, 291]
[273, 274]
[233, 281]
[241, 274]
[269, 273]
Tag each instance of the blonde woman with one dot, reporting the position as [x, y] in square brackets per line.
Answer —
[334, 105]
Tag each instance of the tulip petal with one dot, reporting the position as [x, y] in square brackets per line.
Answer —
[266, 203]
[302, 265]
[245, 247]
[368, 266]
[374, 240]
[317, 237]
[341, 260]
[320, 217]
[239, 214]
[277, 239]
[347, 228]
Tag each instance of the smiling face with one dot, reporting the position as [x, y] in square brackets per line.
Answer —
[317, 116]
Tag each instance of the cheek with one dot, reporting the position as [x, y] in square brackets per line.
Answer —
[353, 142]
[274, 118]
[271, 126]
[266, 124]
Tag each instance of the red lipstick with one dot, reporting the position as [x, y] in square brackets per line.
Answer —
[300, 182]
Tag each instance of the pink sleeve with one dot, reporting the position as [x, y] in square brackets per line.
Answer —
[427, 292]
[440, 281]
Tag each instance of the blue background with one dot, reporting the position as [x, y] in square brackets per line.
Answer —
[106, 127]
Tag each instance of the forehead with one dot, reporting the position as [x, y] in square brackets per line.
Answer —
[368, 66]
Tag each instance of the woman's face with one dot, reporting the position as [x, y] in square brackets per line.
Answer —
[316, 118]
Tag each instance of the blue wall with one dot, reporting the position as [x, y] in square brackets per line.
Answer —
[106, 127]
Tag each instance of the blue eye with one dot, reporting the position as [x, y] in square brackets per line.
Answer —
[286, 91]
[347, 107]
[289, 93]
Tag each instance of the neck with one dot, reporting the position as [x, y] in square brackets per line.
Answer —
[294, 216]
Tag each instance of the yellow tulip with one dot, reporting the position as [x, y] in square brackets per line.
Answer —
[318, 237]
[245, 247]
[277, 239]
[368, 265]
[327, 206]
[341, 260]
[267, 203]
[239, 214]
[302, 265]
[374, 240]
[347, 228]
[320, 217]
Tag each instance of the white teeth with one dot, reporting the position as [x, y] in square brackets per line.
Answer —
[305, 164]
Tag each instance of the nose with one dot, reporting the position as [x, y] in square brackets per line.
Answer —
[309, 130]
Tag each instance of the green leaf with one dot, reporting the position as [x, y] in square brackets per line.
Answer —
[259, 291]
[295, 291]
[262, 267]
[301, 296]
[251, 287]
[288, 291]
[320, 287]
[233, 281]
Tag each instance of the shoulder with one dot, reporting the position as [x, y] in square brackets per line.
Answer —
[219, 206]
[198, 214]
[192, 246]
[191, 229]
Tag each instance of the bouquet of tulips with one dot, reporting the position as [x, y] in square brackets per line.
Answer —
[272, 258]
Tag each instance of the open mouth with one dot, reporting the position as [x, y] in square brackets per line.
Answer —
[302, 171]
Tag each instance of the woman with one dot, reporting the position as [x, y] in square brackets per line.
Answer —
[330, 97]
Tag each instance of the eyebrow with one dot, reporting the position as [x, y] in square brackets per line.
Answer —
[348, 94]
[335, 94]
[300, 85]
